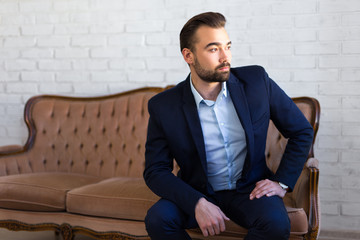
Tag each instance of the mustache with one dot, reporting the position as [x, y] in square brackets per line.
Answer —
[224, 64]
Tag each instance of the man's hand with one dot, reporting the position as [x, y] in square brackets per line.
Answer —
[268, 188]
[210, 218]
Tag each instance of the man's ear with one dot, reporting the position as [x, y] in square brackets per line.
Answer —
[188, 55]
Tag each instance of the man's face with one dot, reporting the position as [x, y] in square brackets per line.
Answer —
[212, 55]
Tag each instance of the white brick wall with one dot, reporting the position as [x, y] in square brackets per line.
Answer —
[93, 47]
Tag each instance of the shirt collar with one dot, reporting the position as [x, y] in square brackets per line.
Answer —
[199, 98]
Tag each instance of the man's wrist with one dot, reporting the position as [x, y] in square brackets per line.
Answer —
[283, 186]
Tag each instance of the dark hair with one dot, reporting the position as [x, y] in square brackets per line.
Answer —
[210, 19]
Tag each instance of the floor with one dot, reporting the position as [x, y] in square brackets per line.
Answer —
[47, 235]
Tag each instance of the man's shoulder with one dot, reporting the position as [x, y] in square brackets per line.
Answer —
[170, 95]
[248, 71]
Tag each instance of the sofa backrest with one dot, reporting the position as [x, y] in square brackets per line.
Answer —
[101, 136]
[105, 136]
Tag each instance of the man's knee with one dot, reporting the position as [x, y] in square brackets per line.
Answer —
[276, 227]
[163, 217]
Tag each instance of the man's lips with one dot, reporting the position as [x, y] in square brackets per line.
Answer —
[224, 67]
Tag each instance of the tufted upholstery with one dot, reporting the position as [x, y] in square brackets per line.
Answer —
[88, 136]
[83, 163]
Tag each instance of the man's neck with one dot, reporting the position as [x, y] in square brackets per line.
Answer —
[207, 90]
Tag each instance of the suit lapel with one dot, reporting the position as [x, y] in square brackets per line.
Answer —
[238, 96]
[192, 117]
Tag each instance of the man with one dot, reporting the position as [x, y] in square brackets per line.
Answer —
[214, 124]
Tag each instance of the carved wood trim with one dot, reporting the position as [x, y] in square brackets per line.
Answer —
[67, 231]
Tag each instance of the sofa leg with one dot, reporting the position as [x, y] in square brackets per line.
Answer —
[66, 232]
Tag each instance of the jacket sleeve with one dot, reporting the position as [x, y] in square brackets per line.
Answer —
[293, 125]
[159, 165]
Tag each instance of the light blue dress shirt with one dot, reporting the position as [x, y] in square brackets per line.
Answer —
[224, 136]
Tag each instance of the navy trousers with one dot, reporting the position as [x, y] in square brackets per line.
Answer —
[265, 218]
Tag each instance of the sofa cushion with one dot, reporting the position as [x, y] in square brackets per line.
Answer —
[39, 191]
[120, 197]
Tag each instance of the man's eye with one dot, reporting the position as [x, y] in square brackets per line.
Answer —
[213, 49]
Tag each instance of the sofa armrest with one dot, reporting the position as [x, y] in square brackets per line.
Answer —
[305, 195]
[4, 150]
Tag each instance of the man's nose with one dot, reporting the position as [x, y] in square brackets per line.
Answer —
[225, 55]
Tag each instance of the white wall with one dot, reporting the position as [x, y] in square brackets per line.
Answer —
[96, 47]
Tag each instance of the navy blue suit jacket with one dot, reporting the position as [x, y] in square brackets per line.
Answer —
[174, 132]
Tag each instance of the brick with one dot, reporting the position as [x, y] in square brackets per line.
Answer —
[13, 65]
[71, 29]
[174, 25]
[331, 115]
[9, 53]
[108, 76]
[351, 130]
[153, 51]
[337, 142]
[19, 42]
[34, 6]
[37, 76]
[143, 4]
[266, 22]
[54, 65]
[330, 129]
[350, 156]
[329, 102]
[6, 76]
[352, 182]
[88, 41]
[37, 30]
[338, 88]
[54, 41]
[339, 61]
[9, 7]
[128, 15]
[168, 14]
[18, 19]
[90, 89]
[107, 28]
[147, 26]
[350, 209]
[352, 116]
[337, 34]
[53, 18]
[351, 102]
[351, 47]
[350, 75]
[297, 62]
[330, 208]
[351, 19]
[317, 48]
[165, 64]
[21, 88]
[72, 53]
[126, 39]
[328, 155]
[146, 77]
[113, 52]
[329, 181]
[55, 88]
[90, 64]
[38, 53]
[9, 31]
[68, 6]
[317, 75]
[271, 49]
[72, 77]
[298, 35]
[338, 6]
[128, 64]
[158, 39]
[311, 21]
[293, 8]
[343, 195]
[107, 5]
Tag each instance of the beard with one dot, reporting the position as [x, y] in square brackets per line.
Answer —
[212, 75]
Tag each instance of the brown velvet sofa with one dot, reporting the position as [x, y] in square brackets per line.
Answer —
[80, 171]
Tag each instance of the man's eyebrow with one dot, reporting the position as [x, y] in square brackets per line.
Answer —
[216, 44]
